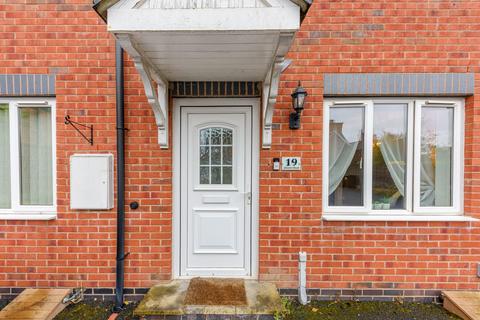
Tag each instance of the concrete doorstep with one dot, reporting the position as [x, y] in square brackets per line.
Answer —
[166, 301]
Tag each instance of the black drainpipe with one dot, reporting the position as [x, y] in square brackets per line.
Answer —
[120, 180]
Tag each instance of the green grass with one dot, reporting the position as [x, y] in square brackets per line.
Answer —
[316, 310]
[351, 310]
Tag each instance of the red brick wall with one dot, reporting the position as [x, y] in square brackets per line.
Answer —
[78, 249]
[364, 37]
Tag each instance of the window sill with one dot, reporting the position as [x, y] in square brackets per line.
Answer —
[404, 217]
[28, 216]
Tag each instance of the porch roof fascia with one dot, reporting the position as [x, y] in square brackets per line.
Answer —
[206, 20]
[102, 6]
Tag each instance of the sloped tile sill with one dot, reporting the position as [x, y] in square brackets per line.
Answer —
[378, 217]
[28, 216]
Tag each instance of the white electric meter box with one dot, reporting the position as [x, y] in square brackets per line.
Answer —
[91, 181]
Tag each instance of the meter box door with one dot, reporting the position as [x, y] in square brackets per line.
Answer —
[91, 181]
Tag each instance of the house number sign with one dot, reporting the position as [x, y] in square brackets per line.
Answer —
[291, 163]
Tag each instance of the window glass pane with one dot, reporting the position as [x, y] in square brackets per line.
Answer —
[227, 155]
[204, 175]
[204, 155]
[227, 175]
[35, 156]
[389, 156]
[4, 158]
[205, 137]
[216, 156]
[345, 167]
[216, 175]
[216, 134]
[227, 136]
[436, 146]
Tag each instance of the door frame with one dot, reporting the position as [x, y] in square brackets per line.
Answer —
[176, 167]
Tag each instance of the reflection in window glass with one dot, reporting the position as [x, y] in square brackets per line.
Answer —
[436, 146]
[227, 155]
[345, 167]
[216, 175]
[204, 155]
[216, 156]
[227, 137]
[389, 152]
[4, 157]
[204, 175]
[227, 175]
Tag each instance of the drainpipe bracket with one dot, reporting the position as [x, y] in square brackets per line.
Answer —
[124, 257]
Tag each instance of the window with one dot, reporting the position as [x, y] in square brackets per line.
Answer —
[216, 155]
[393, 156]
[27, 153]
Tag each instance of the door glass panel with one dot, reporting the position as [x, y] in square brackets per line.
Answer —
[204, 155]
[436, 147]
[216, 156]
[389, 156]
[204, 175]
[205, 137]
[227, 175]
[216, 175]
[216, 134]
[345, 163]
[227, 155]
[227, 137]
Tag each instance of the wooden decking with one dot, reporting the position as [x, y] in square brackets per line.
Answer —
[465, 304]
[35, 304]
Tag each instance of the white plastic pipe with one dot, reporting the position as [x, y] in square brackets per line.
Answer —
[302, 278]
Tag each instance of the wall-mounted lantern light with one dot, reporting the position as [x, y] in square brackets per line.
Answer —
[298, 100]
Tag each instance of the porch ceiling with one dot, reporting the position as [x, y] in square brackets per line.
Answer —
[220, 56]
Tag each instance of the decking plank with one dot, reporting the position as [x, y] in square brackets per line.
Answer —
[465, 304]
[35, 304]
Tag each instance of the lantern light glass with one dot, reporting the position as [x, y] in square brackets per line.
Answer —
[298, 101]
[298, 98]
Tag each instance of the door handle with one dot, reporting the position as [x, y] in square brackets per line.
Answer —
[248, 196]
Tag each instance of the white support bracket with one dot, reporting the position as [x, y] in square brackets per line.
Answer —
[271, 84]
[157, 95]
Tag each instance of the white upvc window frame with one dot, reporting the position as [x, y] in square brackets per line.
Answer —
[413, 211]
[367, 161]
[458, 156]
[18, 211]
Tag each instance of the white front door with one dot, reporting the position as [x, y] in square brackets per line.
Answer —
[216, 184]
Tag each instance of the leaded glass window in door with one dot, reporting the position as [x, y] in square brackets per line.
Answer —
[216, 155]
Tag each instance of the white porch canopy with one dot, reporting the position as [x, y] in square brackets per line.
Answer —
[200, 40]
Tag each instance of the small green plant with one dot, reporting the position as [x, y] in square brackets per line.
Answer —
[284, 311]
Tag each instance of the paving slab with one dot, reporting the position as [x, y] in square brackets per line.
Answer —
[168, 299]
